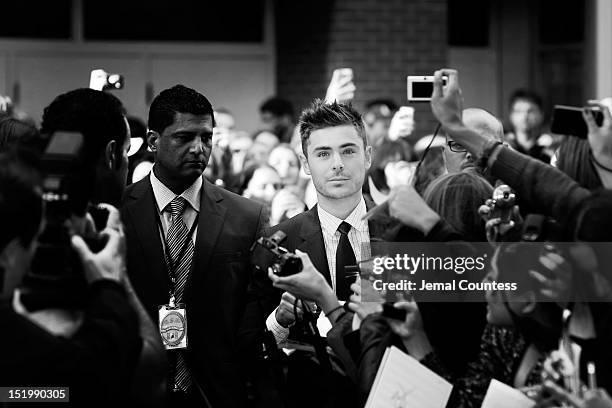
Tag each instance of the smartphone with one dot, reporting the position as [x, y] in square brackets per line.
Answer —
[345, 73]
[420, 88]
[568, 120]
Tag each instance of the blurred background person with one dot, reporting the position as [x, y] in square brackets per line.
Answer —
[286, 163]
[377, 117]
[224, 119]
[15, 134]
[526, 132]
[239, 148]
[277, 116]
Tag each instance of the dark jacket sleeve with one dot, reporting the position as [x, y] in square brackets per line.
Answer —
[97, 362]
[376, 337]
[546, 190]
[258, 294]
[345, 343]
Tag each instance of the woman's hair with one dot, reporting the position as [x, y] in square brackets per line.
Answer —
[456, 198]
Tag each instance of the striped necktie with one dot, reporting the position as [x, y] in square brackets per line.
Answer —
[180, 250]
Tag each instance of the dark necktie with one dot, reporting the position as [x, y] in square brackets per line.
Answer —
[344, 257]
[181, 258]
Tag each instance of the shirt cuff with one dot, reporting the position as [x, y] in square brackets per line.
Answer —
[280, 333]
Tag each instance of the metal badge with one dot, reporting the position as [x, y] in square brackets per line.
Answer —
[173, 326]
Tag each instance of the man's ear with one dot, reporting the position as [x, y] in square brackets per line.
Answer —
[152, 139]
[110, 155]
[368, 157]
[304, 161]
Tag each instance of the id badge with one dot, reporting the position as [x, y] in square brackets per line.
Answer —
[173, 326]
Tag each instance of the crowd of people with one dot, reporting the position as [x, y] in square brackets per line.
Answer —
[132, 266]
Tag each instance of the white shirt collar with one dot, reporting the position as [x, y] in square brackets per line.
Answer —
[330, 222]
[163, 195]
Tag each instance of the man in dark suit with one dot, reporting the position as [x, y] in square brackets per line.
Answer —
[337, 155]
[188, 243]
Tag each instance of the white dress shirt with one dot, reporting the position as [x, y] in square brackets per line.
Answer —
[359, 237]
[163, 196]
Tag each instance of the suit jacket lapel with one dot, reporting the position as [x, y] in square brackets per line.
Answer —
[143, 216]
[312, 242]
[210, 223]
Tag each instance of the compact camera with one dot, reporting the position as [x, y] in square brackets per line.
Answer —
[420, 88]
[101, 80]
[266, 253]
[501, 203]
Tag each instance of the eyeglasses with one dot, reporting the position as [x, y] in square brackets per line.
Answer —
[455, 147]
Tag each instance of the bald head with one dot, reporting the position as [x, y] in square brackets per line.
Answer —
[484, 123]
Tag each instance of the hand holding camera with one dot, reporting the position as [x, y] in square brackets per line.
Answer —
[501, 215]
[109, 263]
[307, 284]
[100, 80]
[341, 88]
[447, 101]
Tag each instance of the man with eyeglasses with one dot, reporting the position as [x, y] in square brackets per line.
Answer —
[456, 157]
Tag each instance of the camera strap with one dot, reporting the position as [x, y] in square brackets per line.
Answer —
[170, 265]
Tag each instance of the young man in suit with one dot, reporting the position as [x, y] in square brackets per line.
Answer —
[188, 246]
[337, 155]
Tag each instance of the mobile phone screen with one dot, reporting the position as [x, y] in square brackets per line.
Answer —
[568, 120]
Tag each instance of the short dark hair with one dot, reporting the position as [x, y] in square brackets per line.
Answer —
[321, 115]
[98, 116]
[277, 106]
[21, 205]
[178, 99]
[526, 95]
[15, 133]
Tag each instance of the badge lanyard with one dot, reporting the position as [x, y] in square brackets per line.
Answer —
[169, 264]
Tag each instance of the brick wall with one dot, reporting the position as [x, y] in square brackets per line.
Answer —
[381, 40]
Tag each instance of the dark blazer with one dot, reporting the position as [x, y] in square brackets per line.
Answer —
[215, 294]
[304, 233]
[96, 362]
